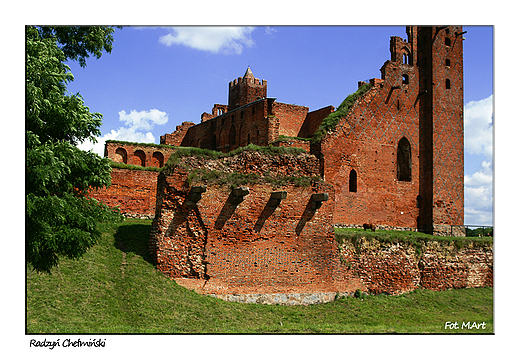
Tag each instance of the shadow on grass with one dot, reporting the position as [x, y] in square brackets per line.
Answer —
[133, 238]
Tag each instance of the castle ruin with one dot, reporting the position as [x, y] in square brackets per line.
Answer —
[392, 155]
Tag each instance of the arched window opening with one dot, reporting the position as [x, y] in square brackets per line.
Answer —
[120, 156]
[139, 158]
[404, 160]
[352, 181]
[447, 41]
[448, 62]
[232, 135]
[406, 58]
[158, 159]
[406, 79]
[448, 84]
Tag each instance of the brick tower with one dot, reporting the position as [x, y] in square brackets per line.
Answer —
[437, 53]
[246, 89]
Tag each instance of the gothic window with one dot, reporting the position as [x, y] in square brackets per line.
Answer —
[406, 79]
[447, 41]
[232, 135]
[448, 62]
[448, 84]
[352, 181]
[139, 158]
[120, 156]
[404, 160]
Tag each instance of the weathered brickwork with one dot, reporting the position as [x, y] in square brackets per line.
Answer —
[144, 155]
[264, 240]
[249, 118]
[393, 160]
[176, 137]
[133, 191]
[395, 268]
[396, 159]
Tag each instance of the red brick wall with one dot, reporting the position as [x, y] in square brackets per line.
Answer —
[128, 153]
[245, 90]
[313, 120]
[412, 101]
[291, 118]
[367, 143]
[176, 137]
[448, 125]
[248, 124]
[134, 191]
[249, 247]
[397, 268]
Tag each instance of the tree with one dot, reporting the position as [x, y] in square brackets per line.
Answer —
[61, 220]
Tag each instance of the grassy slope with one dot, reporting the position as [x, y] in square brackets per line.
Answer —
[115, 289]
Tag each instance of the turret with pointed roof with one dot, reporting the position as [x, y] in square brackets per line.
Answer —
[246, 89]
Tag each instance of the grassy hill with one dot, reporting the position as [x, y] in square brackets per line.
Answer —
[114, 288]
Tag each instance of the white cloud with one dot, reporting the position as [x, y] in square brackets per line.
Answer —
[270, 30]
[212, 39]
[478, 140]
[138, 126]
[478, 196]
[478, 127]
[144, 120]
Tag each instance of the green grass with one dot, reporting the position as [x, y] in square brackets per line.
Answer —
[114, 288]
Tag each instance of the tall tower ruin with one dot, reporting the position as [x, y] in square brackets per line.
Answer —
[438, 54]
[245, 90]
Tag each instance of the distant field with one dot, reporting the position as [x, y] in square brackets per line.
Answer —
[114, 288]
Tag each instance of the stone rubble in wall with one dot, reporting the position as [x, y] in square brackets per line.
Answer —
[283, 299]
[139, 216]
[378, 227]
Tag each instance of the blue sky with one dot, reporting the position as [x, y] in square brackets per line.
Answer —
[157, 77]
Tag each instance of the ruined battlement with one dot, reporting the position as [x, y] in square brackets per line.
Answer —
[272, 233]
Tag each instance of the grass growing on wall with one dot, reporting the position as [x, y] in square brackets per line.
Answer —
[237, 179]
[330, 122]
[182, 152]
[141, 144]
[133, 167]
[114, 288]
[414, 238]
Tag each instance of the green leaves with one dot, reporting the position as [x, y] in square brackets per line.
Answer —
[61, 226]
[51, 112]
[79, 42]
[60, 218]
